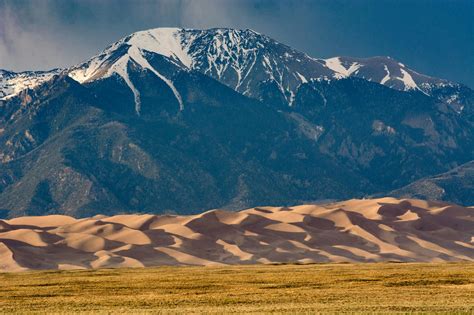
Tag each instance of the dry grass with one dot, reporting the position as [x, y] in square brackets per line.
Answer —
[326, 288]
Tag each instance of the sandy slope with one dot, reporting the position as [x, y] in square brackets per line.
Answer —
[384, 229]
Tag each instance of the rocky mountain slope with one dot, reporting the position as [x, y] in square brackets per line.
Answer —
[456, 185]
[74, 153]
[186, 120]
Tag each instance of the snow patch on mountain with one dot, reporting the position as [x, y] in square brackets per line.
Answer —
[336, 65]
[408, 80]
[167, 42]
[136, 54]
[231, 56]
[12, 83]
[387, 76]
[301, 77]
[120, 68]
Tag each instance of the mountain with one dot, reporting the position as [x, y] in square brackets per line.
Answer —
[185, 120]
[378, 230]
[388, 136]
[82, 150]
[383, 70]
[12, 83]
[250, 63]
[456, 185]
[242, 60]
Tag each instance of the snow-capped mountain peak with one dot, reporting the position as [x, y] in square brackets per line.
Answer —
[163, 41]
[241, 59]
[384, 70]
[339, 68]
[244, 60]
[115, 59]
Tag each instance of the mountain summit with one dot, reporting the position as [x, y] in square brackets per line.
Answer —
[244, 60]
[248, 62]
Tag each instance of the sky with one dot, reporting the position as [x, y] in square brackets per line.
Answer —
[433, 37]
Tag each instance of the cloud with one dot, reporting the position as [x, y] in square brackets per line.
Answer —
[27, 39]
[48, 33]
[43, 34]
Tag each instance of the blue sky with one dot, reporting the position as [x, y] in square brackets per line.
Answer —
[431, 36]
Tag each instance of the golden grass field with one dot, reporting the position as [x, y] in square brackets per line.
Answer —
[378, 287]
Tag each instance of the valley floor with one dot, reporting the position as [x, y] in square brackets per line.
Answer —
[373, 287]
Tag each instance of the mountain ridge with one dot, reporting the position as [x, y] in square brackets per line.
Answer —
[238, 51]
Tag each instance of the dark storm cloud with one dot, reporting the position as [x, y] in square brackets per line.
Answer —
[433, 37]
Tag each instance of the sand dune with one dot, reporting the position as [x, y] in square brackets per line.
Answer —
[383, 229]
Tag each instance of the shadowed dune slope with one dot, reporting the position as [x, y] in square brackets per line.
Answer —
[385, 229]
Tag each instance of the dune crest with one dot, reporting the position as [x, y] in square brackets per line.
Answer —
[373, 230]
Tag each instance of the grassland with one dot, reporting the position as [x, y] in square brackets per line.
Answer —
[325, 288]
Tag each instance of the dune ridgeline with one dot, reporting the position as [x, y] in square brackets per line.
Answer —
[373, 230]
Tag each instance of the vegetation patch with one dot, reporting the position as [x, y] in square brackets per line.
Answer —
[319, 288]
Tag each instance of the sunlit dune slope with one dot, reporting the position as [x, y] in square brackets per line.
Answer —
[374, 230]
